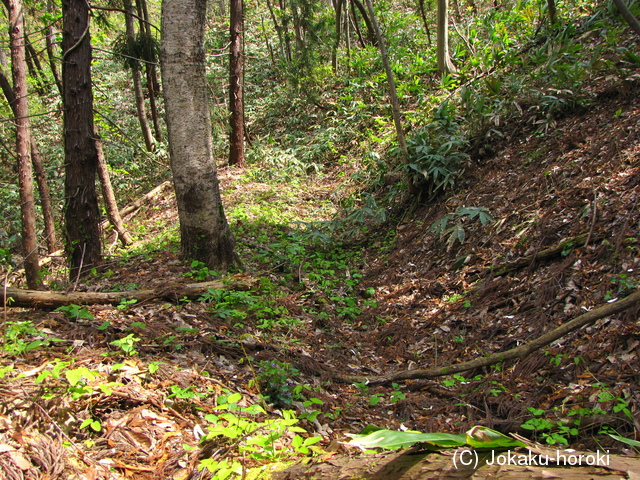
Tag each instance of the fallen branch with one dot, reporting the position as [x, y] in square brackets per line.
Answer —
[140, 201]
[518, 352]
[16, 297]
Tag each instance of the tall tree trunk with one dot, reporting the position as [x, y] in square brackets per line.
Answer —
[38, 168]
[52, 58]
[137, 83]
[81, 157]
[153, 86]
[236, 84]
[445, 65]
[23, 145]
[551, 6]
[337, 7]
[279, 32]
[205, 234]
[392, 92]
[111, 206]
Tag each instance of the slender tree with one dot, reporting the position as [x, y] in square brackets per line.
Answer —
[204, 232]
[392, 91]
[236, 83]
[445, 65]
[23, 144]
[627, 15]
[81, 156]
[134, 65]
[38, 170]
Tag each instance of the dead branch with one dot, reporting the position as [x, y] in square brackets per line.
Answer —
[518, 352]
[16, 297]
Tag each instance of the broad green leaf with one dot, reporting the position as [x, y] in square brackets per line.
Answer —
[628, 441]
[391, 439]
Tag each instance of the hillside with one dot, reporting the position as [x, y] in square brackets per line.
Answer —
[151, 389]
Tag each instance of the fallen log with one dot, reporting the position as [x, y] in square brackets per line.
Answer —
[518, 352]
[16, 297]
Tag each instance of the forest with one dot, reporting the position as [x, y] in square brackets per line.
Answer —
[357, 239]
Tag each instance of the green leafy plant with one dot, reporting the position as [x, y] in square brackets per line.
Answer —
[275, 380]
[127, 344]
[436, 152]
[248, 434]
[22, 336]
[75, 312]
[200, 272]
[456, 232]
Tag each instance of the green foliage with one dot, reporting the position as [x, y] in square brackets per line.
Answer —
[275, 380]
[247, 434]
[75, 312]
[21, 337]
[200, 272]
[127, 344]
[456, 232]
[436, 152]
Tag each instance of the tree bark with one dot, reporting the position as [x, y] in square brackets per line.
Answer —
[627, 15]
[16, 297]
[83, 244]
[236, 84]
[423, 16]
[52, 58]
[337, 6]
[40, 174]
[445, 65]
[150, 68]
[23, 145]
[111, 206]
[204, 231]
[137, 83]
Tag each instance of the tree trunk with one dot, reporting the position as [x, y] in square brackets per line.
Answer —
[368, 22]
[205, 234]
[150, 68]
[423, 16]
[23, 145]
[137, 83]
[40, 174]
[193, 291]
[392, 91]
[236, 84]
[111, 206]
[81, 157]
[445, 65]
[337, 6]
[52, 58]
[627, 15]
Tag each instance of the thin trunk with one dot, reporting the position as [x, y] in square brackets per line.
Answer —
[356, 26]
[153, 86]
[137, 83]
[236, 83]
[266, 40]
[35, 67]
[52, 58]
[337, 6]
[82, 217]
[45, 198]
[628, 16]
[392, 92]
[23, 145]
[40, 174]
[278, 28]
[445, 65]
[551, 5]
[109, 197]
[285, 31]
[367, 21]
[423, 16]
